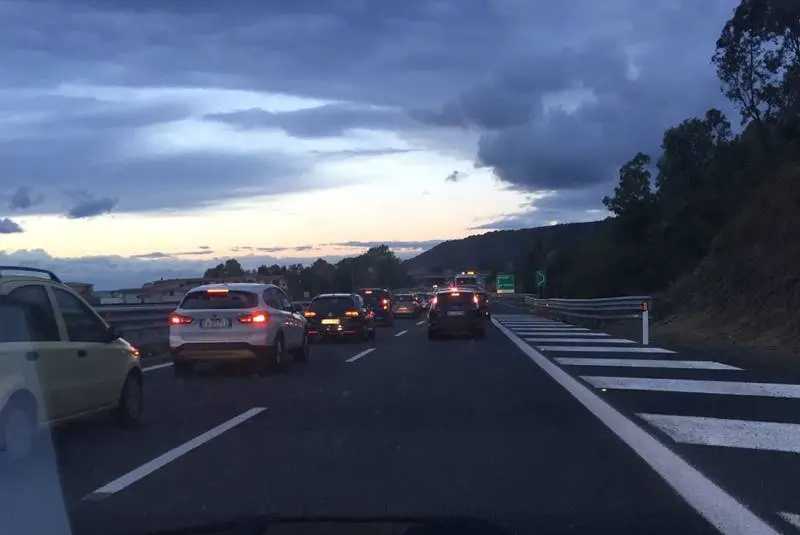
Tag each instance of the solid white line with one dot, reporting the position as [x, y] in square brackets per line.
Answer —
[747, 434]
[157, 367]
[551, 330]
[598, 349]
[792, 518]
[646, 363]
[536, 335]
[401, 333]
[421, 322]
[719, 508]
[693, 386]
[583, 340]
[362, 354]
[159, 462]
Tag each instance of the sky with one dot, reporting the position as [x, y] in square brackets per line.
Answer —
[144, 139]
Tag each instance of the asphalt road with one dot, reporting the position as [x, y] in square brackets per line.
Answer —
[404, 426]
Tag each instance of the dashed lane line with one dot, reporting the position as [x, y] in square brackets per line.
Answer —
[359, 355]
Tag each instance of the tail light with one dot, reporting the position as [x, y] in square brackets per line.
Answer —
[385, 303]
[476, 300]
[258, 318]
[177, 319]
[434, 302]
[351, 313]
[309, 314]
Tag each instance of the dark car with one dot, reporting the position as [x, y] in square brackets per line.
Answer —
[456, 311]
[379, 301]
[339, 316]
[483, 297]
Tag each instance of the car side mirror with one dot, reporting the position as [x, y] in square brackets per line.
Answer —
[113, 333]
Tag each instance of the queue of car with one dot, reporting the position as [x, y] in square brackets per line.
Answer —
[62, 361]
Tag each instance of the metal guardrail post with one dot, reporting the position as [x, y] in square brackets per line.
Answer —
[645, 323]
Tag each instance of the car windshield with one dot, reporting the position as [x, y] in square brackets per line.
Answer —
[332, 305]
[204, 300]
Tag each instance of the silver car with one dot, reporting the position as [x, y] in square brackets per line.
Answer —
[234, 322]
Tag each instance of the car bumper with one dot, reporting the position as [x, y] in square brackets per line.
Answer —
[217, 351]
[458, 324]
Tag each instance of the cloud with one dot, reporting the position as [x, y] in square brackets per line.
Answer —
[155, 254]
[7, 226]
[92, 207]
[22, 199]
[455, 176]
[392, 244]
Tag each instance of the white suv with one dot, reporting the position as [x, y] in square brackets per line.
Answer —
[237, 321]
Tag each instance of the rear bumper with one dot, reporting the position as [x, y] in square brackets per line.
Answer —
[335, 331]
[459, 324]
[217, 351]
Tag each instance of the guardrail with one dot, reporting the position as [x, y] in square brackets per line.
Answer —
[608, 308]
[145, 325]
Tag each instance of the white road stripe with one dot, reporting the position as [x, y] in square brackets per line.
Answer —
[646, 363]
[157, 367]
[159, 462]
[401, 333]
[561, 333]
[565, 330]
[359, 355]
[718, 507]
[421, 322]
[693, 386]
[792, 518]
[746, 434]
[604, 349]
[582, 340]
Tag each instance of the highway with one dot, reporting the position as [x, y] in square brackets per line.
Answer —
[526, 428]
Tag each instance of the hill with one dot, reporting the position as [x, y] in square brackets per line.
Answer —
[501, 250]
[747, 288]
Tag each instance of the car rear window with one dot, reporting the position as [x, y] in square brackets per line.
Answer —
[454, 297]
[403, 298]
[204, 300]
[374, 296]
[332, 305]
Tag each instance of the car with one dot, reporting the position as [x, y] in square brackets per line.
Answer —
[237, 322]
[424, 300]
[379, 301]
[60, 361]
[340, 315]
[406, 305]
[483, 297]
[456, 311]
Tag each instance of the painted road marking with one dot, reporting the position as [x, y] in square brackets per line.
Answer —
[646, 363]
[551, 330]
[159, 462]
[560, 333]
[751, 435]
[718, 507]
[401, 333]
[693, 386]
[359, 355]
[157, 367]
[421, 322]
[582, 340]
[601, 349]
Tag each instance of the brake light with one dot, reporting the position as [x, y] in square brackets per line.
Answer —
[434, 302]
[217, 291]
[177, 319]
[385, 301]
[258, 318]
[476, 300]
[351, 313]
[455, 294]
[368, 292]
[309, 313]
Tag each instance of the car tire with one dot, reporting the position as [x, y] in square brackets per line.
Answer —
[371, 334]
[131, 403]
[18, 428]
[182, 369]
[273, 358]
[302, 353]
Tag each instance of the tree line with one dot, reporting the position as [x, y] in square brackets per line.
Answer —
[668, 207]
[378, 267]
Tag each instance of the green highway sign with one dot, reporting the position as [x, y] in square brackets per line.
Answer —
[541, 278]
[505, 284]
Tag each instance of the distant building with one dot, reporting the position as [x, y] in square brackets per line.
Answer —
[127, 296]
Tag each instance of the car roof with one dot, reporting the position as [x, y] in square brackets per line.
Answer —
[456, 289]
[28, 273]
[240, 286]
[334, 295]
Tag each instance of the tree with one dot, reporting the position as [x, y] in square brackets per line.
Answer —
[633, 201]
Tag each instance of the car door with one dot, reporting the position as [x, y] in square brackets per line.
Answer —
[50, 369]
[272, 298]
[295, 321]
[101, 364]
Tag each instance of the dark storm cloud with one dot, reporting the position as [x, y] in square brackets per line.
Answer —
[7, 226]
[91, 207]
[23, 199]
[488, 66]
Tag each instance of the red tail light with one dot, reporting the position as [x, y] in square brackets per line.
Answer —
[351, 313]
[385, 303]
[434, 302]
[309, 313]
[476, 300]
[259, 318]
[177, 319]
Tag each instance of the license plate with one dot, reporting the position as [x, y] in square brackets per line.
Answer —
[330, 322]
[215, 324]
[455, 313]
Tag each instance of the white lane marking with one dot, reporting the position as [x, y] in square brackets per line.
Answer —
[421, 322]
[560, 333]
[582, 340]
[159, 462]
[359, 355]
[401, 333]
[718, 507]
[792, 518]
[646, 363]
[157, 367]
[552, 330]
[746, 434]
[693, 386]
[599, 349]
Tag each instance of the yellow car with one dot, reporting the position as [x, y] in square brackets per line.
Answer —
[59, 360]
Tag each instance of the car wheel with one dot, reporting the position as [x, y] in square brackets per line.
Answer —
[301, 353]
[273, 358]
[18, 428]
[131, 404]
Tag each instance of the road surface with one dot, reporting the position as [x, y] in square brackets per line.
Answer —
[526, 428]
